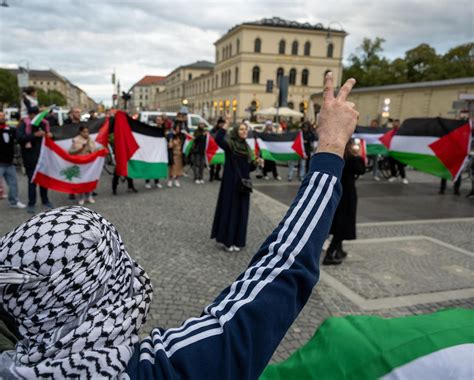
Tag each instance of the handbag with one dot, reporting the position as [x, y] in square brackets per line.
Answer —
[245, 184]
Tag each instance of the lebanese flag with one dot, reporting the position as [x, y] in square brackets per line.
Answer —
[429, 346]
[281, 146]
[141, 151]
[73, 174]
[433, 145]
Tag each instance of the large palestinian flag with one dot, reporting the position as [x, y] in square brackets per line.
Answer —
[432, 145]
[98, 131]
[216, 156]
[72, 174]
[281, 146]
[141, 151]
[433, 346]
[372, 136]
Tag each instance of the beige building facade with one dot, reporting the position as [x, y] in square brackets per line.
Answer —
[246, 58]
[146, 92]
[402, 101]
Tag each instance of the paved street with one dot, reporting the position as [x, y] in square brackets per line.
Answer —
[414, 253]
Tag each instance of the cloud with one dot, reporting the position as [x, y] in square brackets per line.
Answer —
[86, 40]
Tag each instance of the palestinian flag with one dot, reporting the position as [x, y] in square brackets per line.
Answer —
[72, 174]
[281, 146]
[188, 143]
[217, 157]
[432, 346]
[98, 130]
[372, 136]
[432, 145]
[40, 116]
[141, 151]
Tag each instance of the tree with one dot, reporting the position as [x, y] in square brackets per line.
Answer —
[423, 64]
[458, 62]
[51, 97]
[9, 92]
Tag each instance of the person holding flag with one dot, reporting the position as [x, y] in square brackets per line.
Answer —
[175, 155]
[160, 125]
[215, 169]
[198, 153]
[30, 135]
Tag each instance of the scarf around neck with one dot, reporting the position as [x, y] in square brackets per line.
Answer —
[76, 295]
[238, 145]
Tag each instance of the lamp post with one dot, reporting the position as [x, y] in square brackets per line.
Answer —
[329, 40]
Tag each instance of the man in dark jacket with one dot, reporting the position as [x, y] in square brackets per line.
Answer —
[215, 170]
[30, 137]
[7, 169]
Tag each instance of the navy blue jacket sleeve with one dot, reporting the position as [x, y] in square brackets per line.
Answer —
[237, 334]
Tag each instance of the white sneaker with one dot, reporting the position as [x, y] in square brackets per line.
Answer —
[176, 183]
[202, 182]
[266, 178]
[147, 186]
[229, 249]
[18, 205]
[376, 178]
[169, 184]
[91, 200]
[278, 178]
[405, 181]
[81, 202]
[236, 249]
[197, 182]
[159, 186]
[392, 179]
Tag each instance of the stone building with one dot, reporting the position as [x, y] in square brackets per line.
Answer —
[146, 92]
[402, 101]
[246, 58]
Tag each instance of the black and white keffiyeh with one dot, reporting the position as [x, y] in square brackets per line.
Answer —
[77, 297]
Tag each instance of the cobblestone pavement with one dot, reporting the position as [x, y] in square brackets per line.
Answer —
[428, 268]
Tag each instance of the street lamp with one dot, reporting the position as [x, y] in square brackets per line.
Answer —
[328, 36]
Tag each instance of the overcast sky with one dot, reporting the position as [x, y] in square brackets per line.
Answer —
[85, 40]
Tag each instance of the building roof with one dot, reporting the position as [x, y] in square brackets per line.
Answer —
[148, 80]
[277, 22]
[205, 65]
[44, 74]
[408, 86]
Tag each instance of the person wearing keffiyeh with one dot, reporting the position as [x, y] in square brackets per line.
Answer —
[78, 299]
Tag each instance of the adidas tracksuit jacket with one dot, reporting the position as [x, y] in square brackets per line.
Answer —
[236, 335]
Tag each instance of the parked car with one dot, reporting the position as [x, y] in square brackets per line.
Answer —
[149, 117]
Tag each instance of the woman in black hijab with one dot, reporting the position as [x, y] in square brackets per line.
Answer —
[232, 210]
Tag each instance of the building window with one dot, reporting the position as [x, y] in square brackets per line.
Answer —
[294, 48]
[291, 105]
[256, 75]
[34, 82]
[302, 107]
[304, 77]
[190, 76]
[292, 78]
[223, 54]
[238, 46]
[307, 48]
[236, 79]
[257, 45]
[330, 50]
[141, 97]
[141, 104]
[280, 73]
[217, 56]
[217, 81]
[281, 47]
[146, 97]
[222, 80]
[230, 50]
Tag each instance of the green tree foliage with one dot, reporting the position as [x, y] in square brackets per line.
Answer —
[9, 92]
[421, 63]
[51, 97]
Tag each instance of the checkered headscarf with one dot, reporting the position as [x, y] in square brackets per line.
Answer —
[77, 296]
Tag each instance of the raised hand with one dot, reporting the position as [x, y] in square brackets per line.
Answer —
[337, 119]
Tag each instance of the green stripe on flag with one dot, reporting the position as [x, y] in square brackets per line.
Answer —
[272, 156]
[375, 149]
[423, 162]
[147, 170]
[218, 159]
[39, 117]
[366, 347]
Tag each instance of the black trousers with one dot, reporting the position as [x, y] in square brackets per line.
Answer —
[394, 165]
[115, 181]
[335, 245]
[215, 171]
[32, 189]
[270, 166]
[457, 185]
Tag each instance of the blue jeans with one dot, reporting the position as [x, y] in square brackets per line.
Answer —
[9, 173]
[32, 189]
[291, 168]
[375, 167]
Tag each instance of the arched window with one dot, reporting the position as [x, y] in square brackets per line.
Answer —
[217, 81]
[330, 50]
[304, 77]
[238, 46]
[291, 105]
[236, 76]
[223, 79]
[294, 48]
[257, 45]
[281, 47]
[217, 56]
[230, 50]
[280, 73]
[229, 77]
[256, 75]
[307, 48]
[223, 54]
[302, 107]
[292, 78]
